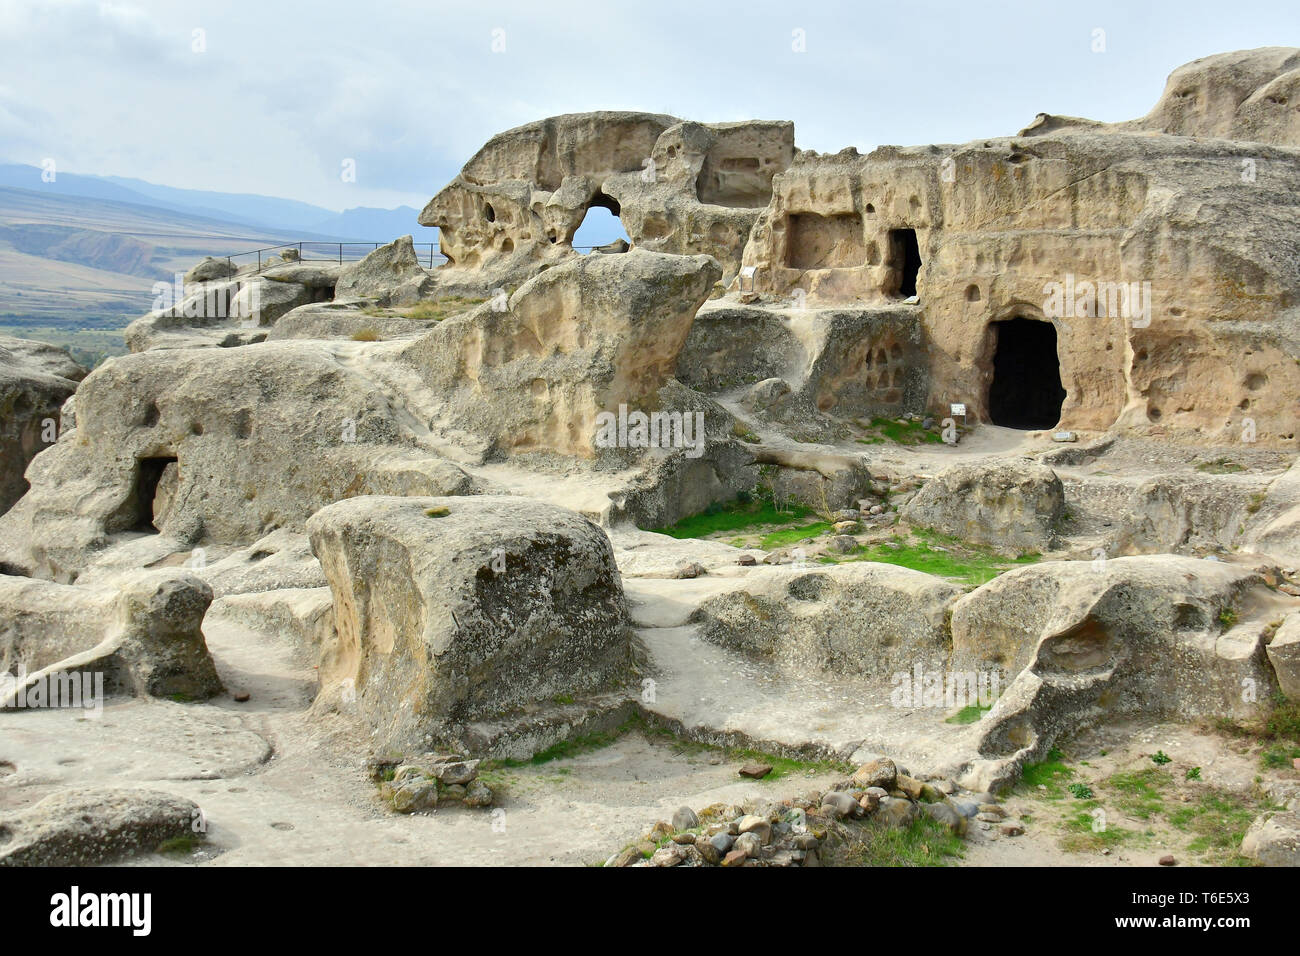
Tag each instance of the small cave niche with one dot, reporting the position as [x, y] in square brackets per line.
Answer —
[142, 511]
[814, 241]
[489, 213]
[1026, 389]
[904, 261]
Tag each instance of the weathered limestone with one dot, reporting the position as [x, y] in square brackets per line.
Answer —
[1244, 95]
[1205, 349]
[211, 269]
[583, 338]
[451, 611]
[216, 444]
[1284, 655]
[862, 618]
[88, 826]
[684, 188]
[226, 312]
[1274, 840]
[35, 381]
[1013, 507]
[143, 632]
[343, 319]
[1185, 513]
[391, 274]
[846, 363]
[1155, 635]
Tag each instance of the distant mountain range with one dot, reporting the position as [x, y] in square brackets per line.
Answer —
[286, 218]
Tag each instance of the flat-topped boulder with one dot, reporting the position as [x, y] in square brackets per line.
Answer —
[861, 618]
[1013, 507]
[452, 611]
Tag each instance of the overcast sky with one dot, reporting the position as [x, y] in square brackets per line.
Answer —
[274, 95]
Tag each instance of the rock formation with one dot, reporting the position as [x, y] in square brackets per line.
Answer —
[862, 395]
[451, 611]
[35, 380]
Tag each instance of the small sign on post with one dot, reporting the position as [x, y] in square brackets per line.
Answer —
[959, 408]
[747, 273]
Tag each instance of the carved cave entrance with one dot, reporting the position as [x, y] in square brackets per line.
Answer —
[1026, 389]
[904, 260]
[141, 503]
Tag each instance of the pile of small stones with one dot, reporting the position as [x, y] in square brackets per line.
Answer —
[418, 784]
[795, 832]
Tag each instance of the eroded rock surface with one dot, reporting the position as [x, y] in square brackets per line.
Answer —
[1011, 506]
[455, 610]
[1141, 635]
[89, 826]
[866, 619]
[35, 380]
[143, 633]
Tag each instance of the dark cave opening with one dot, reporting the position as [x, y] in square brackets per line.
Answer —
[1026, 389]
[905, 257]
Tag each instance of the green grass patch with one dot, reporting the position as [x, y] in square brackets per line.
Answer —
[923, 843]
[1140, 793]
[1050, 775]
[968, 714]
[779, 539]
[740, 515]
[1083, 836]
[1278, 756]
[1220, 466]
[900, 433]
[928, 551]
[1218, 822]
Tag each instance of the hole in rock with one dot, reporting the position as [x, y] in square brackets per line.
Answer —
[1026, 389]
[904, 262]
[600, 226]
[145, 508]
[490, 213]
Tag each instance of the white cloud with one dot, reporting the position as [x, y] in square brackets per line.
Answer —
[285, 92]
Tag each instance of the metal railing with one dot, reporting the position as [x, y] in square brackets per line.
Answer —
[311, 251]
[340, 252]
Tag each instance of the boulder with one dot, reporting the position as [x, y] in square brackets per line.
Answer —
[1010, 507]
[1185, 514]
[218, 445]
[859, 618]
[221, 313]
[1274, 840]
[142, 632]
[344, 319]
[455, 610]
[1284, 655]
[89, 826]
[391, 275]
[1159, 635]
[210, 269]
[35, 381]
